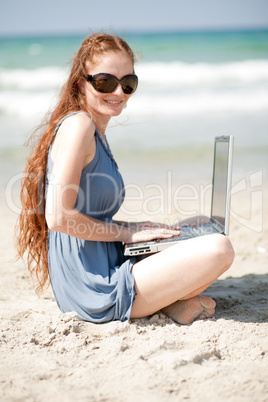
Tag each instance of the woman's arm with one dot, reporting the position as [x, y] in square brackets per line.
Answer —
[73, 148]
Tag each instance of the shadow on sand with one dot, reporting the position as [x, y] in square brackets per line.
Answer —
[243, 299]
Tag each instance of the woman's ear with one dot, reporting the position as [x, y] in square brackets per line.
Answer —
[81, 86]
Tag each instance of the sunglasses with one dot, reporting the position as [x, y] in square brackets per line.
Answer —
[107, 83]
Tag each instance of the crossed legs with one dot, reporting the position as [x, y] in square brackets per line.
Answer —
[173, 279]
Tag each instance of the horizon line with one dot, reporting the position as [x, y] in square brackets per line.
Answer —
[223, 29]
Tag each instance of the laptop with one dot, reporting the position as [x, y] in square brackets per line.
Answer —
[220, 204]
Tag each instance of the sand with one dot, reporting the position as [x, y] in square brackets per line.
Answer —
[49, 356]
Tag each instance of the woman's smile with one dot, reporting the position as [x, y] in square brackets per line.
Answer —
[114, 102]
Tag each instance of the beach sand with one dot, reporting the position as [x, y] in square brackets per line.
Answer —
[49, 356]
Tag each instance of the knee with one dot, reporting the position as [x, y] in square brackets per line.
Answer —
[223, 251]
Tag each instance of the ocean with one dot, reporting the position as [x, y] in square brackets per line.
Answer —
[192, 87]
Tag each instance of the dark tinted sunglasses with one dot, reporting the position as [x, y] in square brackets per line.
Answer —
[107, 83]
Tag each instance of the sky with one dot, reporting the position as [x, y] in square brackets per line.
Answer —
[30, 17]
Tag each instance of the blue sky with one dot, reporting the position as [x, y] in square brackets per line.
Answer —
[18, 17]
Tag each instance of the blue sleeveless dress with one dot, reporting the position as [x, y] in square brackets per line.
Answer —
[93, 278]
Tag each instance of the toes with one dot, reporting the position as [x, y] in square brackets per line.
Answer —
[205, 316]
[189, 310]
[201, 317]
[207, 303]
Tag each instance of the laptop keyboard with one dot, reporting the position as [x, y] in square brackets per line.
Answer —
[188, 232]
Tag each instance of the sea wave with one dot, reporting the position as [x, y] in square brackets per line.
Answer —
[203, 102]
[167, 88]
[28, 105]
[156, 73]
[183, 74]
[38, 79]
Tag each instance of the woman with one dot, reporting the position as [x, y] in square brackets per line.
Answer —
[66, 223]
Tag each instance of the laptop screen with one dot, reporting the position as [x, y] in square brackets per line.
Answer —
[221, 182]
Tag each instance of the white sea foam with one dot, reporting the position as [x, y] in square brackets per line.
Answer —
[26, 105]
[182, 74]
[196, 103]
[162, 74]
[38, 79]
[167, 88]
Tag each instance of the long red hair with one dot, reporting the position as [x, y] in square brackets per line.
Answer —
[32, 230]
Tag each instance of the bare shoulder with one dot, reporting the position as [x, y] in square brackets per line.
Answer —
[75, 133]
[78, 125]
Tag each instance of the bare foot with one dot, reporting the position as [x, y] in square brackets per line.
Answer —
[190, 310]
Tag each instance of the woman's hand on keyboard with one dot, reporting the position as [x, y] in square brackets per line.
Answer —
[147, 230]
